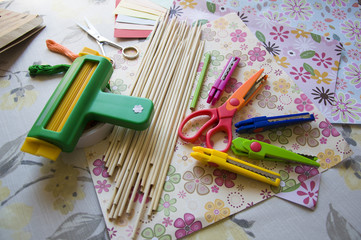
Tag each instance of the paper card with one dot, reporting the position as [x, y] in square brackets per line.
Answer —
[129, 26]
[197, 195]
[133, 13]
[136, 7]
[126, 33]
[134, 20]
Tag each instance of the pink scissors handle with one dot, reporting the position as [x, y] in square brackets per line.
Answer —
[224, 125]
[212, 113]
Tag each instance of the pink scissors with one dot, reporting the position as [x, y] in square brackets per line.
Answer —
[222, 116]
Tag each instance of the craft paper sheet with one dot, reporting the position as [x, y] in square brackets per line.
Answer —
[326, 18]
[197, 195]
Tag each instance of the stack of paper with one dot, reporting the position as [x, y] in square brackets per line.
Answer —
[16, 27]
[136, 18]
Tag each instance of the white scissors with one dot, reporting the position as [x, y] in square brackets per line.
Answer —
[134, 52]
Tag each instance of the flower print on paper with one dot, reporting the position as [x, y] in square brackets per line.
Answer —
[281, 86]
[102, 186]
[188, 3]
[272, 48]
[303, 103]
[307, 134]
[277, 17]
[282, 61]
[300, 33]
[354, 54]
[319, 26]
[305, 172]
[112, 232]
[224, 177]
[216, 211]
[352, 29]
[304, 44]
[166, 205]
[328, 129]
[300, 74]
[280, 134]
[309, 192]
[197, 180]
[297, 9]
[265, 193]
[322, 60]
[291, 52]
[167, 221]
[100, 168]
[208, 34]
[279, 33]
[260, 137]
[175, 11]
[242, 57]
[158, 232]
[238, 36]
[257, 54]
[187, 225]
[328, 158]
[333, 3]
[339, 14]
[216, 58]
[346, 108]
[232, 85]
[171, 179]
[220, 23]
[341, 84]
[321, 78]
[322, 95]
[266, 99]
[353, 74]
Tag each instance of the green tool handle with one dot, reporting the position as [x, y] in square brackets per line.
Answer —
[126, 111]
[200, 81]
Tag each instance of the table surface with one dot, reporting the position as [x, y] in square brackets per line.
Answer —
[31, 209]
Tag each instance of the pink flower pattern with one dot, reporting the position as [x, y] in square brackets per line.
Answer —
[303, 103]
[238, 36]
[257, 54]
[328, 129]
[187, 225]
[322, 59]
[305, 172]
[279, 33]
[100, 168]
[224, 177]
[102, 186]
[309, 192]
[300, 74]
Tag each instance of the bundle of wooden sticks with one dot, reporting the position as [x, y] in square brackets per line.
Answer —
[166, 76]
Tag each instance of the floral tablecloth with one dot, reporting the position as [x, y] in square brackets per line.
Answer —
[41, 199]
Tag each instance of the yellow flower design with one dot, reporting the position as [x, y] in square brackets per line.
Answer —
[4, 192]
[63, 205]
[221, 23]
[336, 67]
[216, 211]
[188, 3]
[282, 61]
[10, 101]
[63, 185]
[321, 77]
[248, 74]
[350, 170]
[328, 158]
[300, 33]
[281, 86]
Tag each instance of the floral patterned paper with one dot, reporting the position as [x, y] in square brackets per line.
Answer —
[197, 195]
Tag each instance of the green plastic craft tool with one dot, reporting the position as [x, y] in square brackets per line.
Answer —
[78, 99]
[258, 150]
